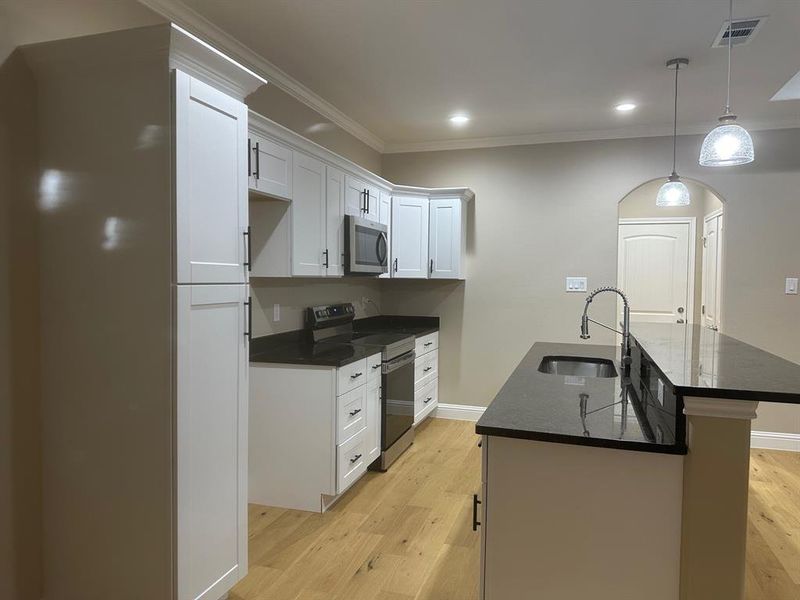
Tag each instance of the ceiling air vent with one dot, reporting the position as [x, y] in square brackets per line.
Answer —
[742, 32]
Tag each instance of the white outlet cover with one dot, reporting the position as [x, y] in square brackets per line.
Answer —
[276, 312]
[577, 284]
[791, 285]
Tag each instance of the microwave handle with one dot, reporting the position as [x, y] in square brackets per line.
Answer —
[382, 259]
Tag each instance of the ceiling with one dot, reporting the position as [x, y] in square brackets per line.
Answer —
[536, 68]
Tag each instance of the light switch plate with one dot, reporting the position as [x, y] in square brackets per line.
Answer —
[791, 285]
[577, 284]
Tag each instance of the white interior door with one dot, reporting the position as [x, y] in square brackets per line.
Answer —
[210, 184]
[712, 273]
[656, 269]
[211, 446]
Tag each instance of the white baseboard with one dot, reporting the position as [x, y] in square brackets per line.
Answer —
[767, 440]
[459, 412]
[770, 440]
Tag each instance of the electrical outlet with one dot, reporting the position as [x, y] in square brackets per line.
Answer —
[276, 312]
[577, 284]
[791, 285]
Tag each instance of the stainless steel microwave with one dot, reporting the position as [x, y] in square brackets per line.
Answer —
[366, 247]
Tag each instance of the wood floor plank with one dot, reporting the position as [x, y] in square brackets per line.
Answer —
[407, 534]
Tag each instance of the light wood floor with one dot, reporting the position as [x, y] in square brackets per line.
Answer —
[407, 534]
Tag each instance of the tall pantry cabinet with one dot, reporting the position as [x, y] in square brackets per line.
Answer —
[211, 233]
[143, 271]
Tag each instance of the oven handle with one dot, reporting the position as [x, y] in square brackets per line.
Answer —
[400, 361]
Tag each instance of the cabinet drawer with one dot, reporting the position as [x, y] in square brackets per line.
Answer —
[427, 343]
[351, 376]
[425, 400]
[351, 410]
[351, 461]
[374, 368]
[426, 368]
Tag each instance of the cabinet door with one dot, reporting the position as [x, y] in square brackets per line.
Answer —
[210, 184]
[409, 237]
[334, 223]
[373, 207]
[445, 239]
[373, 431]
[270, 167]
[211, 439]
[308, 216]
[355, 202]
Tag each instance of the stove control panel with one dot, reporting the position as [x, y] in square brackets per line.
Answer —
[329, 315]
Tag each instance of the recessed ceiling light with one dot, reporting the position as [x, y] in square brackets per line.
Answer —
[625, 107]
[459, 120]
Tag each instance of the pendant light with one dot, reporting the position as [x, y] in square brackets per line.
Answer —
[728, 143]
[674, 192]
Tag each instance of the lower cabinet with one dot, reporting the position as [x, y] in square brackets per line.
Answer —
[313, 431]
[426, 376]
[211, 446]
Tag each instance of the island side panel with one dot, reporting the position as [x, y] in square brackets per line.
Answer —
[716, 477]
[554, 510]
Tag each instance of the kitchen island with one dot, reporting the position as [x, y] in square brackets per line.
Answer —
[637, 482]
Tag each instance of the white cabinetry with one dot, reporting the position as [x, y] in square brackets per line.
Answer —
[211, 440]
[270, 167]
[336, 414]
[334, 220]
[447, 244]
[210, 184]
[426, 376]
[309, 225]
[410, 237]
[355, 194]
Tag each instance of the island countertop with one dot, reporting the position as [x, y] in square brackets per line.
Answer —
[697, 361]
[590, 411]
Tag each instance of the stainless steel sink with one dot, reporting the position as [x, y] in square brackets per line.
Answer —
[578, 366]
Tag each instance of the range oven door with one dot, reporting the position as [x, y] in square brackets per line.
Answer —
[397, 399]
[366, 246]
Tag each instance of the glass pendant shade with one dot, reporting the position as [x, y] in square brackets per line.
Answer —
[673, 193]
[726, 145]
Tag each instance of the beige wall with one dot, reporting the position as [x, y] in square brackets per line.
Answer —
[547, 211]
[294, 295]
[20, 453]
[273, 103]
[640, 203]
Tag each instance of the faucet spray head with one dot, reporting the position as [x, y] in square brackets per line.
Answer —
[585, 327]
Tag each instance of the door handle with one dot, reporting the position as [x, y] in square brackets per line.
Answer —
[248, 332]
[249, 157]
[249, 260]
[258, 162]
[382, 236]
[395, 265]
[326, 265]
[431, 265]
[475, 503]
[680, 321]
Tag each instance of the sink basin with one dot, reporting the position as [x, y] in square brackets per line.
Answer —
[578, 366]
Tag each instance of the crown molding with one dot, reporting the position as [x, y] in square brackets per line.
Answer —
[528, 139]
[192, 21]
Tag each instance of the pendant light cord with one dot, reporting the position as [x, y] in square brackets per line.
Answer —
[675, 122]
[730, 46]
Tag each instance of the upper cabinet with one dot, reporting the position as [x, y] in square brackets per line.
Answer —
[303, 192]
[210, 184]
[410, 237]
[447, 239]
[270, 167]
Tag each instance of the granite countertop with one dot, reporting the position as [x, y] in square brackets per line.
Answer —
[297, 347]
[697, 361]
[588, 411]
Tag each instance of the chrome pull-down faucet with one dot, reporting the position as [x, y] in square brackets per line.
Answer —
[626, 322]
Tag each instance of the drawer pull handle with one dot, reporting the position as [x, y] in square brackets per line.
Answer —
[426, 369]
[378, 366]
[356, 375]
[355, 458]
[475, 503]
[426, 344]
[353, 413]
[429, 398]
